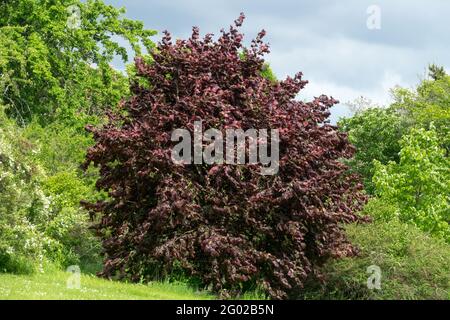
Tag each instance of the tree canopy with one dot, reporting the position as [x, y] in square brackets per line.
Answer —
[50, 68]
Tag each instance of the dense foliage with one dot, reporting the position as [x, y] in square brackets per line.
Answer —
[53, 70]
[227, 225]
[413, 264]
[418, 185]
[40, 216]
[54, 78]
[375, 133]
[428, 105]
[24, 206]
[402, 153]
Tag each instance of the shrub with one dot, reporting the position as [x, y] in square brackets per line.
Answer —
[23, 206]
[69, 223]
[226, 225]
[40, 216]
[413, 265]
[60, 148]
[79, 246]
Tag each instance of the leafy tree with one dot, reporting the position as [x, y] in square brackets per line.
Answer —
[429, 103]
[50, 68]
[375, 133]
[57, 77]
[226, 225]
[419, 184]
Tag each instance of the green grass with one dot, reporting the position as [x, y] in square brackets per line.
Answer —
[53, 286]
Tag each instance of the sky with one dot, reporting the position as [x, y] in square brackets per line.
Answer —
[345, 49]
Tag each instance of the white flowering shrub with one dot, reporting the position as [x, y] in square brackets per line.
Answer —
[23, 209]
[40, 215]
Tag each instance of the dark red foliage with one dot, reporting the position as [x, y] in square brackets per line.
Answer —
[227, 225]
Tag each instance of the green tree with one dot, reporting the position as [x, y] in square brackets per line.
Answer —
[429, 103]
[55, 57]
[55, 76]
[375, 132]
[419, 184]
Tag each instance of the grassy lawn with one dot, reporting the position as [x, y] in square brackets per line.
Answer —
[53, 286]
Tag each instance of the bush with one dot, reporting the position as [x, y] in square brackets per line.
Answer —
[69, 223]
[79, 245]
[59, 147]
[419, 184]
[228, 226]
[23, 205]
[413, 265]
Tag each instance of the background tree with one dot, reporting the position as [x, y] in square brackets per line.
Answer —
[375, 133]
[436, 72]
[54, 78]
[49, 68]
[419, 184]
[429, 103]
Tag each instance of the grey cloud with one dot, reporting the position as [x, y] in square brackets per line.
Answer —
[327, 40]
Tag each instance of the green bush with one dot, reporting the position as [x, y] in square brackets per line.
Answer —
[375, 132]
[70, 223]
[418, 186]
[61, 150]
[60, 147]
[413, 264]
[79, 245]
